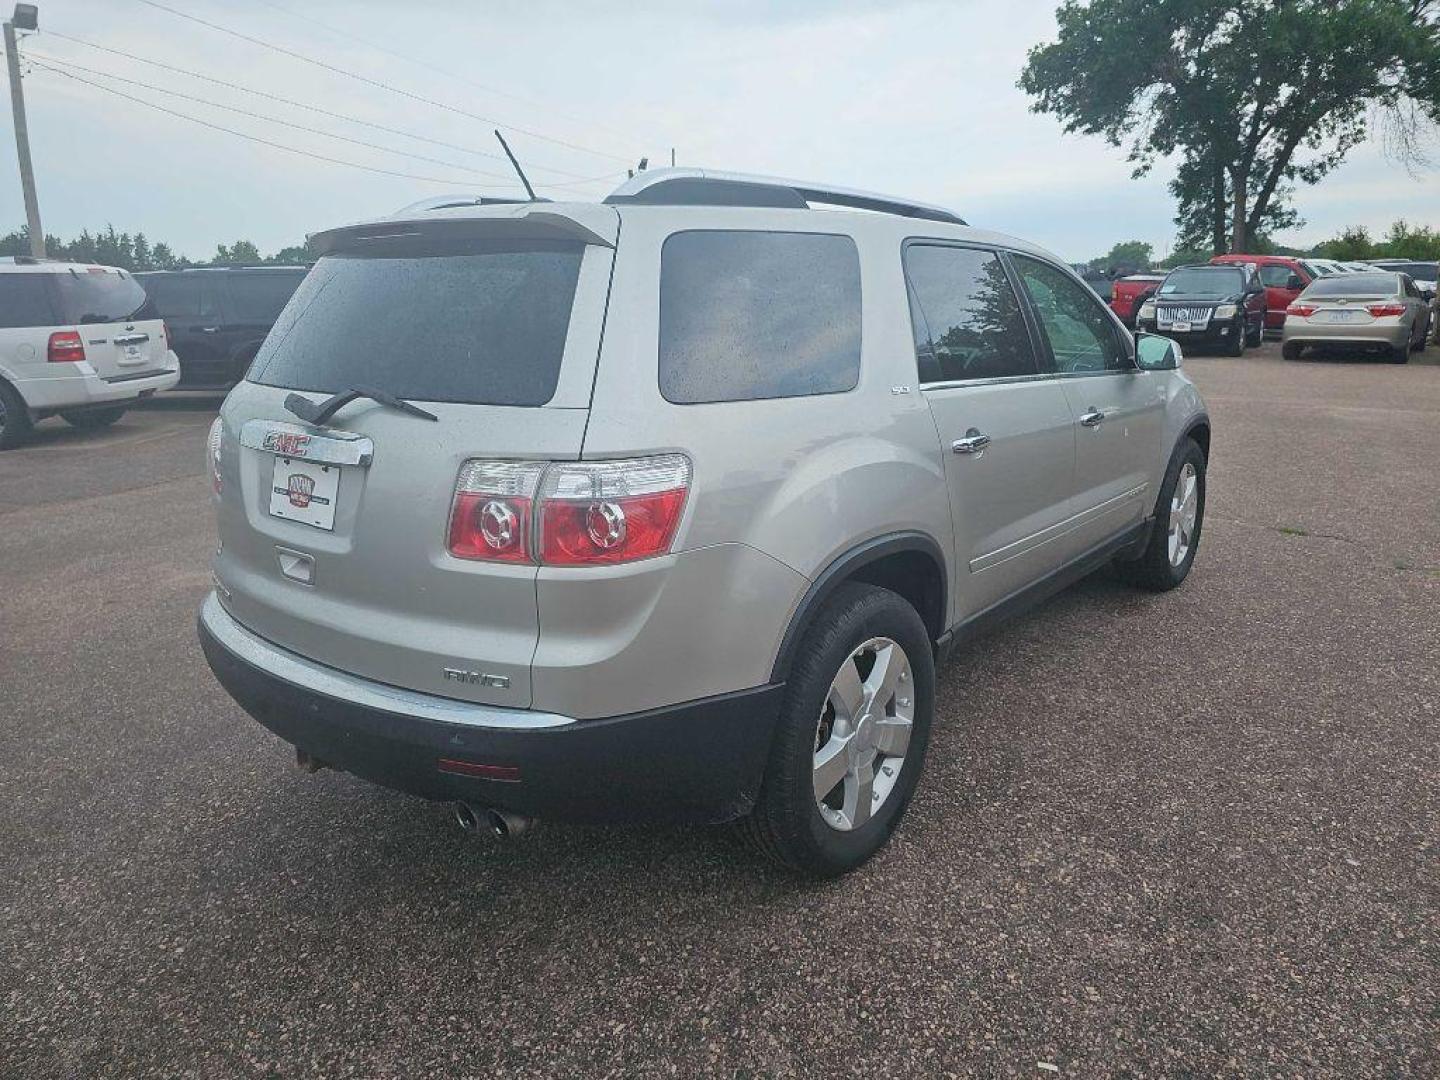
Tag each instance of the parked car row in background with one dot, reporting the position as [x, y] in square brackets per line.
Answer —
[1182, 304]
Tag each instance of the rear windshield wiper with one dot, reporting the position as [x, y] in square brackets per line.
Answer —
[319, 412]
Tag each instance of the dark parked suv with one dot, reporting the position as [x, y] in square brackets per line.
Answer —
[218, 316]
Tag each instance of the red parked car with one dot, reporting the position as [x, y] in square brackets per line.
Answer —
[1284, 279]
[1130, 292]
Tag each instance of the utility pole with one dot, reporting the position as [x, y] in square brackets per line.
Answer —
[26, 17]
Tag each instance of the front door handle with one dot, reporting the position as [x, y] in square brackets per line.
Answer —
[1092, 417]
[209, 329]
[973, 442]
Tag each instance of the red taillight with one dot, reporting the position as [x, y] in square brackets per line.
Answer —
[1381, 311]
[165, 336]
[65, 348]
[490, 518]
[611, 511]
[212, 453]
[1302, 310]
[584, 513]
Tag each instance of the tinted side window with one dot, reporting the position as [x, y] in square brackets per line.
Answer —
[1277, 277]
[747, 315]
[260, 297]
[967, 318]
[178, 297]
[24, 301]
[1081, 334]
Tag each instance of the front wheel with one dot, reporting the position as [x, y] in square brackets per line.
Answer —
[851, 737]
[1237, 344]
[1175, 530]
[1257, 339]
[92, 419]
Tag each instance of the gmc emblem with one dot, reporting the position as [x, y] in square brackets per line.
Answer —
[285, 443]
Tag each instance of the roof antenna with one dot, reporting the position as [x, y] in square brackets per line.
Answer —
[518, 171]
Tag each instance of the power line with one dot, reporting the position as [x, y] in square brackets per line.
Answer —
[435, 68]
[322, 111]
[251, 138]
[375, 82]
[52, 63]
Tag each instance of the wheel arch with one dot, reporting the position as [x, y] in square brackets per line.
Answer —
[1199, 430]
[911, 564]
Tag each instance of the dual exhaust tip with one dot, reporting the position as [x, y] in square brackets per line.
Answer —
[500, 824]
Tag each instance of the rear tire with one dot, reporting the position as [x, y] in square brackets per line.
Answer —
[1292, 350]
[14, 418]
[1257, 339]
[1399, 354]
[93, 419]
[1169, 555]
[788, 824]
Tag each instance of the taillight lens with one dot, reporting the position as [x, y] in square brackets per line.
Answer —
[491, 515]
[568, 513]
[1302, 310]
[1381, 311]
[165, 336]
[65, 348]
[212, 453]
[611, 511]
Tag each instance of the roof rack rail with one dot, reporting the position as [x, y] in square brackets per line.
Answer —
[707, 187]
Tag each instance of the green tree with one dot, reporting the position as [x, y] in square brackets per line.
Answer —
[1255, 95]
[1352, 244]
[293, 255]
[1128, 255]
[242, 252]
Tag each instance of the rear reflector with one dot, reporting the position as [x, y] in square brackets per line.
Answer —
[65, 348]
[509, 774]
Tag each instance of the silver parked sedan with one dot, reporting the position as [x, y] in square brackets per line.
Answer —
[1376, 310]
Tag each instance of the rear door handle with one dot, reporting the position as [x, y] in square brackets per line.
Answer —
[1093, 417]
[973, 442]
[209, 329]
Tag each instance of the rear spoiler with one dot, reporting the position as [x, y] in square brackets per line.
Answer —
[528, 221]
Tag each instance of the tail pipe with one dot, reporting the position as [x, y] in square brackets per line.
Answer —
[501, 824]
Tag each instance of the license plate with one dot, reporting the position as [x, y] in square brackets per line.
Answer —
[131, 355]
[1339, 316]
[1180, 327]
[305, 491]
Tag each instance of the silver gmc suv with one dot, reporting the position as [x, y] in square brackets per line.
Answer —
[665, 508]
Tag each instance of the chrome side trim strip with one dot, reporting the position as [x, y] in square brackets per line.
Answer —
[1054, 532]
[328, 446]
[327, 681]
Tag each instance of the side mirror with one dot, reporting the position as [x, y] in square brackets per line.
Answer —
[1294, 282]
[1156, 353]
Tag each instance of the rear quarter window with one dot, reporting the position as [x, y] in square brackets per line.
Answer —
[25, 302]
[746, 315]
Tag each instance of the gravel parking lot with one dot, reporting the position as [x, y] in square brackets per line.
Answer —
[1194, 834]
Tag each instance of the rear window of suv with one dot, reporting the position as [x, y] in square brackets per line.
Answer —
[749, 315]
[25, 302]
[469, 322]
[100, 297]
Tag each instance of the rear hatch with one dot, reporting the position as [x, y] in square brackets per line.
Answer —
[334, 536]
[120, 329]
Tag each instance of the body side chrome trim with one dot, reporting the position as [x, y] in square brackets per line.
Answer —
[1053, 532]
[330, 682]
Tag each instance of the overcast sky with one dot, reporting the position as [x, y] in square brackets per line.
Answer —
[912, 98]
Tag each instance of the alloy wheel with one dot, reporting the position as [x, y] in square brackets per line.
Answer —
[863, 733]
[1184, 510]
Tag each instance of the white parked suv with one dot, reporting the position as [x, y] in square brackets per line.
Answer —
[666, 508]
[76, 340]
